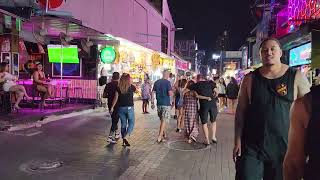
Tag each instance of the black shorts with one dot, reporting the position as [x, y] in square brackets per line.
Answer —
[204, 111]
[222, 95]
[145, 101]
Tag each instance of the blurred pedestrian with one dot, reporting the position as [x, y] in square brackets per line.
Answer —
[302, 159]
[207, 107]
[221, 89]
[124, 98]
[190, 103]
[109, 93]
[262, 115]
[232, 93]
[146, 95]
[163, 91]
[178, 103]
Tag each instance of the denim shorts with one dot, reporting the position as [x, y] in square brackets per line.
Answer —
[164, 113]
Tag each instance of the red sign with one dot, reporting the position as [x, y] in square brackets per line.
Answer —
[183, 65]
[52, 3]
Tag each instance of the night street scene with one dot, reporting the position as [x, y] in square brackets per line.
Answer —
[159, 90]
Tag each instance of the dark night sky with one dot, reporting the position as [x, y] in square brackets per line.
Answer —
[206, 19]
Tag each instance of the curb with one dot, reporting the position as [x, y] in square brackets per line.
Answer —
[51, 118]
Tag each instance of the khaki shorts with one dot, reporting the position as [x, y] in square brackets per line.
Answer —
[164, 113]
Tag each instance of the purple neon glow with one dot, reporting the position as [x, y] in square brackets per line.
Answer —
[52, 82]
[301, 10]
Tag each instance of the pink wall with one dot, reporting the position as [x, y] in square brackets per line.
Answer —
[128, 19]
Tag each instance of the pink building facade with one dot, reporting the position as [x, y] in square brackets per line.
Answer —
[135, 20]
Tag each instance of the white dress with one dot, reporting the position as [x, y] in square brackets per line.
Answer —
[9, 81]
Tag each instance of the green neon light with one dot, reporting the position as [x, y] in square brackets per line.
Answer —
[108, 55]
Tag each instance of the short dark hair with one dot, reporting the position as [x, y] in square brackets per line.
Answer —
[270, 39]
[199, 77]
[115, 76]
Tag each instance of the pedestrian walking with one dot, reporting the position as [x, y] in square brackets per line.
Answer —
[190, 102]
[109, 93]
[178, 103]
[221, 89]
[232, 93]
[206, 88]
[124, 98]
[146, 95]
[262, 115]
[302, 159]
[163, 91]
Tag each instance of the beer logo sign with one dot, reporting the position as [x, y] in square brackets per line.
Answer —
[282, 89]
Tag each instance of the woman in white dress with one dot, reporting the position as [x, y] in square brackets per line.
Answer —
[10, 85]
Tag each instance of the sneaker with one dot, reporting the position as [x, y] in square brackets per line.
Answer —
[177, 130]
[117, 136]
[111, 140]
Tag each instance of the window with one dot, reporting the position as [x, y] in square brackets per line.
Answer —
[164, 39]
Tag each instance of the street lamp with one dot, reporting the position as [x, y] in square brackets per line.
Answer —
[215, 56]
[177, 29]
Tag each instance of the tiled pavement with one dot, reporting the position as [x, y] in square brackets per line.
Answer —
[80, 143]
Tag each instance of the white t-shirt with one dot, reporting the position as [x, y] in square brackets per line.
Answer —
[221, 89]
[9, 81]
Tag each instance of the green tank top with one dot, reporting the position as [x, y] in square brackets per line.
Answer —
[266, 125]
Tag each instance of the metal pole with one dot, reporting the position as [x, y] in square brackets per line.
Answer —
[47, 6]
[220, 63]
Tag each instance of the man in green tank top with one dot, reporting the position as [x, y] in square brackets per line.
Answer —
[262, 116]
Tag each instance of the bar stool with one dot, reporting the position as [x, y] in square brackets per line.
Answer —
[78, 93]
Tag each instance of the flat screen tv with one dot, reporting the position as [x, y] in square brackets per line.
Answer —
[68, 54]
[300, 55]
[68, 70]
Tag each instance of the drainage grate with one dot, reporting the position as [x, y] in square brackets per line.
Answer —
[184, 146]
[41, 166]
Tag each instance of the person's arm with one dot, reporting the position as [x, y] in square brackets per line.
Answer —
[152, 94]
[36, 78]
[114, 102]
[293, 165]
[302, 85]
[202, 97]
[242, 106]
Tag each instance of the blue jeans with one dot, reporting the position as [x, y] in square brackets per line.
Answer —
[126, 115]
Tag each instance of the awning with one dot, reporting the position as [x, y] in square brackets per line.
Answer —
[54, 25]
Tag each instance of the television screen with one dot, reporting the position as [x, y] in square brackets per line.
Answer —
[68, 70]
[300, 55]
[69, 54]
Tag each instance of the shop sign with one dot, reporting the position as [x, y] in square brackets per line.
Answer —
[7, 21]
[18, 24]
[182, 65]
[108, 55]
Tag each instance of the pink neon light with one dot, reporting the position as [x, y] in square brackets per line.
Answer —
[301, 10]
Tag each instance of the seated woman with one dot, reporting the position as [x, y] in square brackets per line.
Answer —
[41, 84]
[9, 84]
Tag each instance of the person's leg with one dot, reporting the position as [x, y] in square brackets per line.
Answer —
[143, 106]
[19, 96]
[20, 88]
[182, 118]
[273, 170]
[123, 118]
[161, 130]
[249, 168]
[213, 116]
[203, 112]
[50, 90]
[131, 120]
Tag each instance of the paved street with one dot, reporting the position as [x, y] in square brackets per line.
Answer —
[80, 144]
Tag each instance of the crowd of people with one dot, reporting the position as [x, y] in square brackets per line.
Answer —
[271, 141]
[194, 100]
